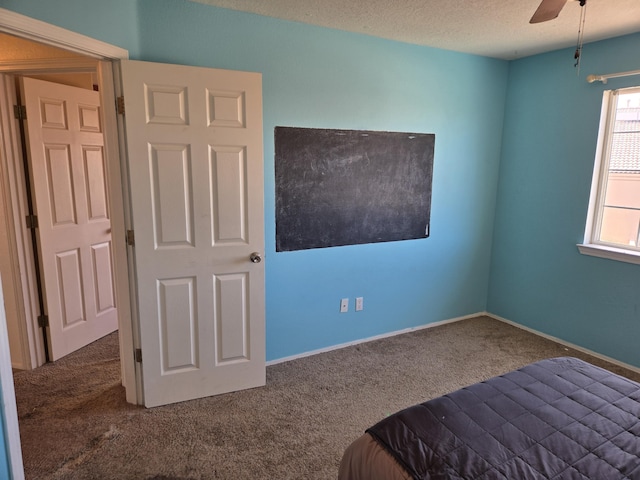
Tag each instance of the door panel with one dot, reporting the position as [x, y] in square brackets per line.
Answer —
[172, 195]
[66, 155]
[103, 275]
[194, 140]
[96, 183]
[229, 203]
[232, 322]
[69, 273]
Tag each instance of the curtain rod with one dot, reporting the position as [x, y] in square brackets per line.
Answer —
[603, 78]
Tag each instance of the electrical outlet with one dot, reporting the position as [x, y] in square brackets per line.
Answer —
[359, 304]
[344, 305]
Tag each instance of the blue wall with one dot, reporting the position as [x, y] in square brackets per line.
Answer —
[538, 277]
[525, 267]
[539, 166]
[112, 21]
[315, 77]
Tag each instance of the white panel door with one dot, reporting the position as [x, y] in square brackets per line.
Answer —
[66, 153]
[194, 141]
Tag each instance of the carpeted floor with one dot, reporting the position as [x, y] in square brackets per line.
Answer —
[75, 423]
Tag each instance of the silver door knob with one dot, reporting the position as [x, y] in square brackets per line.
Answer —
[255, 257]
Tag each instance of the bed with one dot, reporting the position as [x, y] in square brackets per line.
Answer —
[559, 418]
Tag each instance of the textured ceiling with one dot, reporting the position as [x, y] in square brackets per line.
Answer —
[494, 28]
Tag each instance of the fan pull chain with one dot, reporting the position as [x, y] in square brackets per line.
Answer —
[583, 16]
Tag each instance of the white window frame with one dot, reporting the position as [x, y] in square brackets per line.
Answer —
[591, 244]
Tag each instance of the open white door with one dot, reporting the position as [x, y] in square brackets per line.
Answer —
[194, 142]
[66, 153]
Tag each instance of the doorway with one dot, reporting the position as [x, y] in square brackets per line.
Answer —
[101, 55]
[50, 178]
[55, 51]
[69, 226]
[73, 53]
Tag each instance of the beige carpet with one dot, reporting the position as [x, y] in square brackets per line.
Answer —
[75, 423]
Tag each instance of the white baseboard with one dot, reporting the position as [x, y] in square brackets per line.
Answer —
[453, 320]
[371, 339]
[566, 344]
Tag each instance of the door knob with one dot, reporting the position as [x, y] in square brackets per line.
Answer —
[255, 257]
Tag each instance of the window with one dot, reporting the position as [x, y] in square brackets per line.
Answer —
[613, 222]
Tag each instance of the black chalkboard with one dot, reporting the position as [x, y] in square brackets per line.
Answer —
[349, 187]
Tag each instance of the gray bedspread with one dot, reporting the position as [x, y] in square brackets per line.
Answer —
[557, 419]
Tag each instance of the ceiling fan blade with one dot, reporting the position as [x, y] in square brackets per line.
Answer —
[548, 10]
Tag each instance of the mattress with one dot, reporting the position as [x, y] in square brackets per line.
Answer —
[558, 418]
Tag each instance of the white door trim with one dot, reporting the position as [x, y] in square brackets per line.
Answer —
[46, 65]
[29, 28]
[119, 203]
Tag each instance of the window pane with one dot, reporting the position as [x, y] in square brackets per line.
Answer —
[620, 226]
[621, 209]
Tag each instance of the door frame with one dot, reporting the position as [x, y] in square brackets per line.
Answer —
[36, 30]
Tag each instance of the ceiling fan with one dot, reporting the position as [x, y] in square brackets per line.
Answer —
[550, 9]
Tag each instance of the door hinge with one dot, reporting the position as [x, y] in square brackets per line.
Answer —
[120, 105]
[43, 321]
[131, 239]
[20, 112]
[137, 354]
[32, 221]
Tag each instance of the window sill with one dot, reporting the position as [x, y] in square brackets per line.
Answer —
[612, 253]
